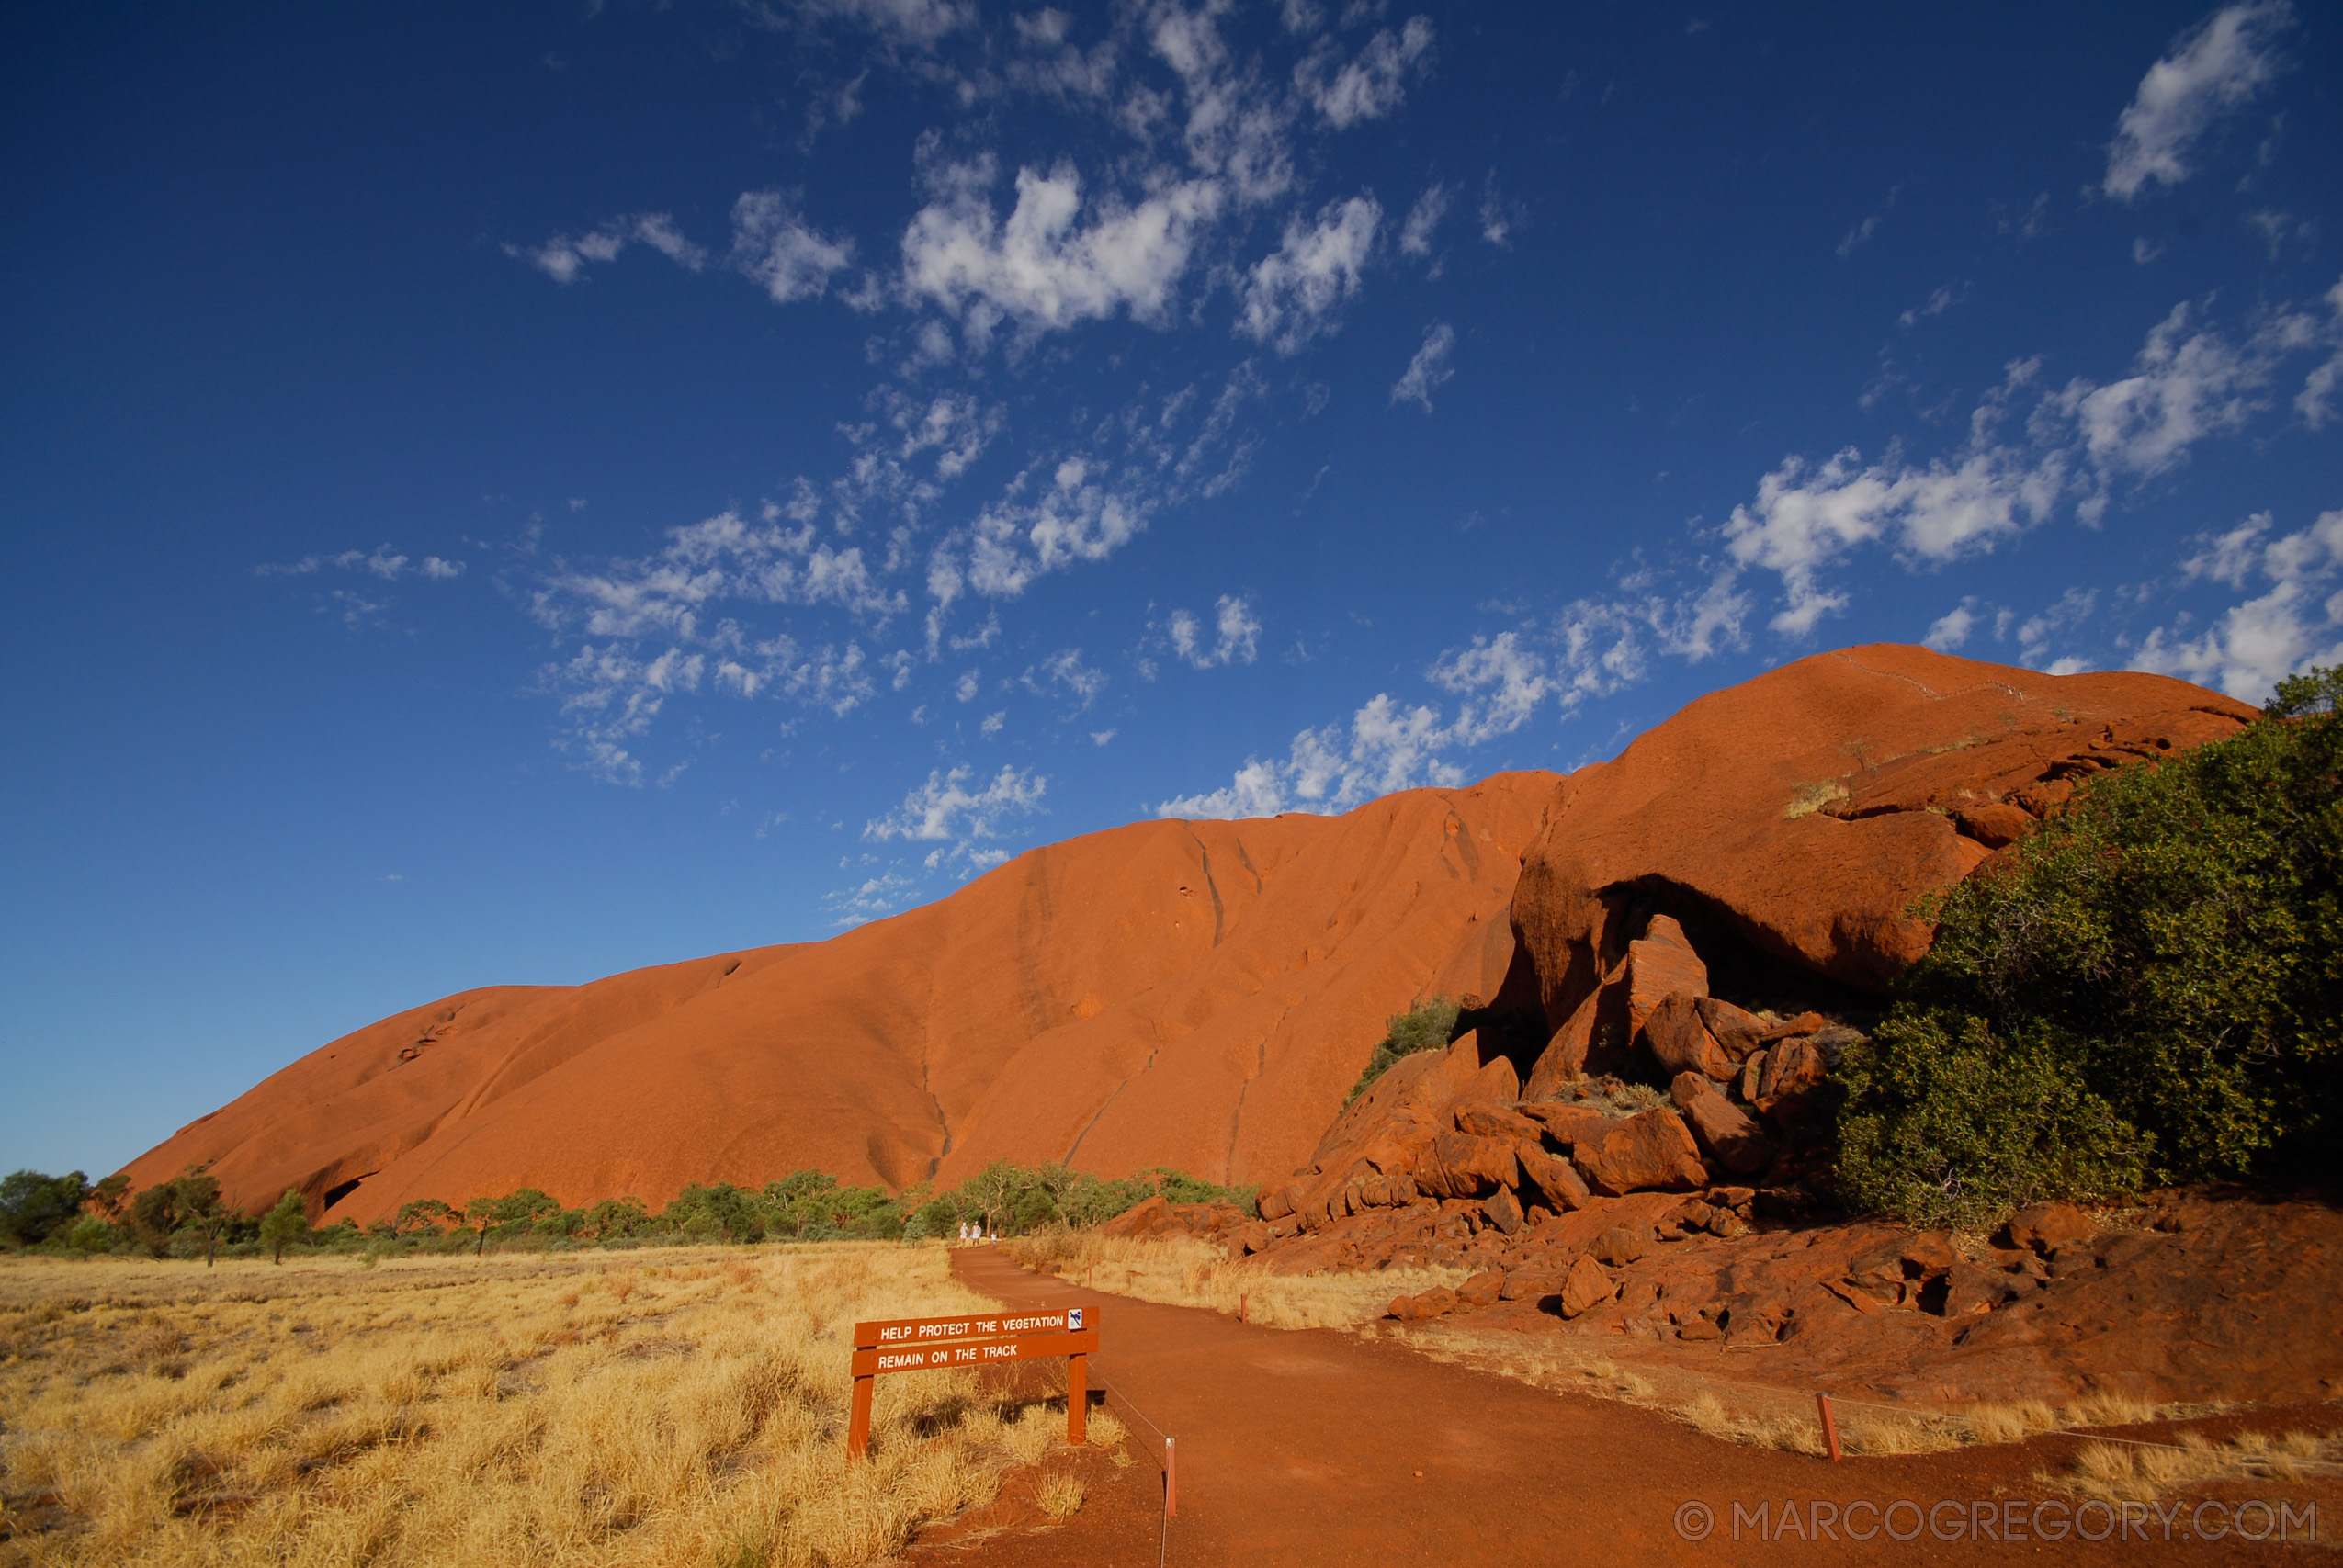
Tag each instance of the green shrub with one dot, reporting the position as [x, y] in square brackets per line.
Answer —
[2149, 990]
[285, 1224]
[1429, 1026]
[33, 1207]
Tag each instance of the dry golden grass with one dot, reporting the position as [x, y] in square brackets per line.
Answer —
[674, 1406]
[2135, 1472]
[1060, 1495]
[1185, 1270]
[1758, 1415]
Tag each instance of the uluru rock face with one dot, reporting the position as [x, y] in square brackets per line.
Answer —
[1199, 995]
[1785, 825]
[1202, 995]
[1707, 912]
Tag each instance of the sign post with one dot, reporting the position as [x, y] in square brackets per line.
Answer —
[933, 1343]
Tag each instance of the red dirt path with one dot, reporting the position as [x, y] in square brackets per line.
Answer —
[1303, 1449]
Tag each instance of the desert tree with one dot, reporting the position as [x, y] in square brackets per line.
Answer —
[287, 1222]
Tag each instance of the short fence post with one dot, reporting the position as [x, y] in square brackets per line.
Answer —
[1829, 1428]
[1077, 1399]
[858, 1422]
[1171, 1480]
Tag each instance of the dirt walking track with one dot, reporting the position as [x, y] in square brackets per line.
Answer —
[1309, 1450]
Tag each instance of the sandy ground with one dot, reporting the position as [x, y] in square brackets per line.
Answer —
[1312, 1448]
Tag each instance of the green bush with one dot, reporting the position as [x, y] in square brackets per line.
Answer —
[33, 1207]
[1429, 1026]
[2149, 990]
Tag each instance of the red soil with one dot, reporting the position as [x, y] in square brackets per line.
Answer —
[1316, 1448]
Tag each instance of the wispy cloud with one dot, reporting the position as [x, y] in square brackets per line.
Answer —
[778, 249]
[1370, 84]
[1428, 369]
[945, 808]
[381, 561]
[1063, 674]
[919, 24]
[1860, 234]
[1055, 260]
[2214, 70]
[1423, 221]
[873, 898]
[2189, 382]
[2295, 622]
[1236, 634]
[1588, 649]
[564, 258]
[1294, 294]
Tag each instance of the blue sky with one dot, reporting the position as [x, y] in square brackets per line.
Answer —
[514, 493]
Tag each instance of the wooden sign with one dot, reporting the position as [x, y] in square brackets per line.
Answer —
[975, 1353]
[932, 1330]
[936, 1344]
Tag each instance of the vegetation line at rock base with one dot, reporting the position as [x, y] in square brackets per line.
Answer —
[2147, 991]
[189, 1216]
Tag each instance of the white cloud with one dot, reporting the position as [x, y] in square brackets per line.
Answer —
[1077, 517]
[1065, 671]
[836, 680]
[2037, 631]
[1429, 369]
[1101, 736]
[2315, 402]
[2230, 558]
[723, 557]
[944, 808]
[1237, 130]
[2216, 69]
[1089, 506]
[993, 723]
[2185, 386]
[1591, 649]
[1292, 295]
[773, 246]
[1372, 85]
[1423, 221]
[877, 896]
[564, 258]
[443, 570]
[1236, 634]
[1499, 216]
[1515, 678]
[1045, 268]
[2296, 623]
[1950, 629]
[1806, 518]
[610, 696]
[1385, 747]
[380, 562]
[1939, 301]
[2189, 382]
[917, 23]
[1858, 235]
